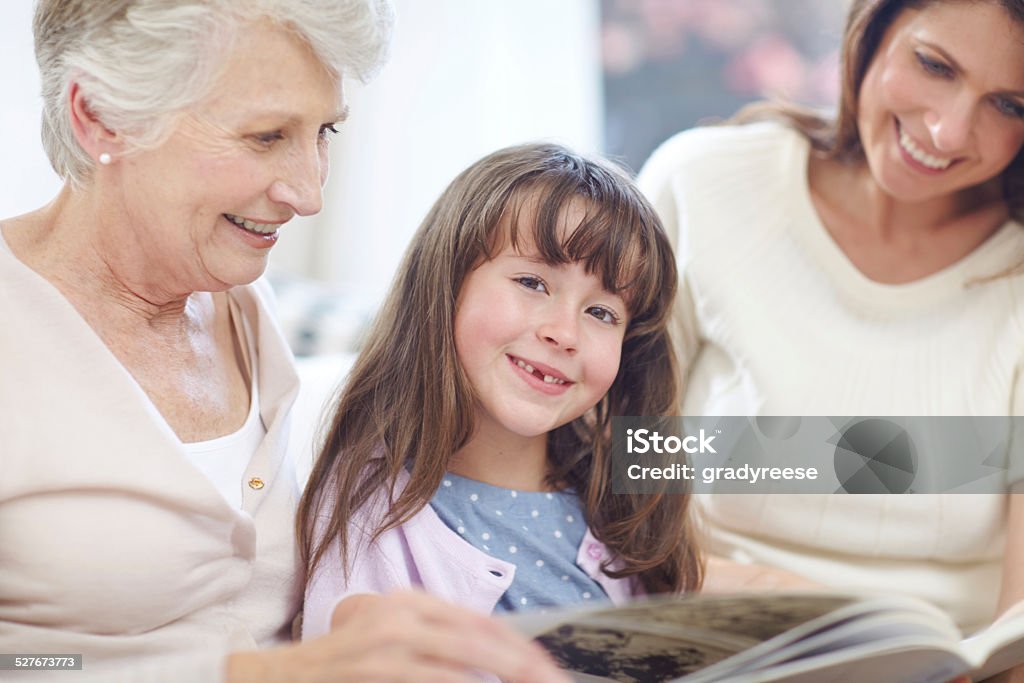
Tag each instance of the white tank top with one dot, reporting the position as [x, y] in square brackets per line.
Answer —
[225, 459]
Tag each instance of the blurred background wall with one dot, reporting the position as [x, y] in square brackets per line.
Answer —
[669, 65]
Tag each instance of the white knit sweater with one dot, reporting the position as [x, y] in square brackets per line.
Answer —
[773, 319]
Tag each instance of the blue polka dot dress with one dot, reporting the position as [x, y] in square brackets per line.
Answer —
[540, 533]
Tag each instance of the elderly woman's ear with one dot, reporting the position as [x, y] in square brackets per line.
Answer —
[98, 141]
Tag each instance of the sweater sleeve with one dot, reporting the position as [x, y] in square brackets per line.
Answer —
[375, 567]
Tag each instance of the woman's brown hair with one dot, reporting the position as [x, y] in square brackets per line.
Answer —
[838, 137]
[408, 405]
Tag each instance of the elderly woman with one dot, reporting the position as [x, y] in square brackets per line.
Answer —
[147, 504]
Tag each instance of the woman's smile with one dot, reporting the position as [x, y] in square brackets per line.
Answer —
[917, 157]
[267, 228]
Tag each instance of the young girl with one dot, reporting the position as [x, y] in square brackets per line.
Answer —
[469, 451]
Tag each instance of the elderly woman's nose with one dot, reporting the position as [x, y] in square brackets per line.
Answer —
[300, 182]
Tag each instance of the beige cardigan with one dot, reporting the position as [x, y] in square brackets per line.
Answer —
[111, 544]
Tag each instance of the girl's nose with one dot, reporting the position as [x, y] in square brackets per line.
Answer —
[560, 330]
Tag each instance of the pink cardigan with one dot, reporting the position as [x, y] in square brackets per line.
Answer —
[426, 554]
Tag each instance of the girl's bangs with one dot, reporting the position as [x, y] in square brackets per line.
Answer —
[615, 239]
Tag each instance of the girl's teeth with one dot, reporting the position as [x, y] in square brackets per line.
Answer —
[548, 379]
[919, 155]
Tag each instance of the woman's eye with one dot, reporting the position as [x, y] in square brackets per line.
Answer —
[530, 282]
[933, 67]
[603, 314]
[1009, 107]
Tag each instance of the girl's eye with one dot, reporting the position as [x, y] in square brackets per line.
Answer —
[933, 67]
[531, 282]
[603, 314]
[1009, 107]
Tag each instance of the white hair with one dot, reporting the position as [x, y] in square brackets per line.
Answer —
[138, 63]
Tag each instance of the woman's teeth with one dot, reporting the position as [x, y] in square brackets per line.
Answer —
[262, 228]
[920, 155]
[548, 379]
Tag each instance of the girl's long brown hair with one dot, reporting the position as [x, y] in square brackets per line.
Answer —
[837, 137]
[407, 404]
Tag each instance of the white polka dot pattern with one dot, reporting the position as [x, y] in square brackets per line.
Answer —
[544, 551]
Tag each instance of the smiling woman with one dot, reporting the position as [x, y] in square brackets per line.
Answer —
[865, 265]
[942, 107]
[234, 168]
[147, 504]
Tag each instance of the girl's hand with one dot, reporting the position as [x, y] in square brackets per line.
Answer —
[401, 637]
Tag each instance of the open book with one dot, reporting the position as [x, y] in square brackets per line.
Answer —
[807, 637]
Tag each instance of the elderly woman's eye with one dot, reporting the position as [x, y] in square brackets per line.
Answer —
[269, 138]
[327, 130]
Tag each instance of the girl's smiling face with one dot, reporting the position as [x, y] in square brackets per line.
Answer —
[540, 343]
[941, 107]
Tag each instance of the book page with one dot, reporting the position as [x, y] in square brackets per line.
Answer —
[667, 638]
[754, 636]
[997, 648]
[869, 627]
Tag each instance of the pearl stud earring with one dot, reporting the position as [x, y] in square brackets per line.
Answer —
[105, 159]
